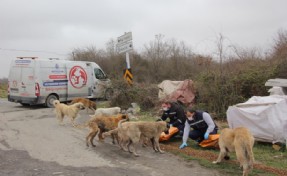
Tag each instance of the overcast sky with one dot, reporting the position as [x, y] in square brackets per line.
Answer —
[56, 27]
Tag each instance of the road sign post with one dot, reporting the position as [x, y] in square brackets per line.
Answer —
[124, 45]
[128, 60]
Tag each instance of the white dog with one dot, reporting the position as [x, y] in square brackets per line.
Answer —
[107, 111]
[71, 111]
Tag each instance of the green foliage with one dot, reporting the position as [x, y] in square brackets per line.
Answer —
[263, 153]
[218, 91]
[3, 90]
[281, 69]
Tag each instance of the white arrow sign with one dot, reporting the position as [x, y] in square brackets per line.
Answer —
[125, 43]
[125, 38]
[125, 47]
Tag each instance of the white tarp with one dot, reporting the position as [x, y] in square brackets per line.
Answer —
[167, 87]
[265, 117]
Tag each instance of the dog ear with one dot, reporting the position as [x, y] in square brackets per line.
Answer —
[56, 102]
[80, 106]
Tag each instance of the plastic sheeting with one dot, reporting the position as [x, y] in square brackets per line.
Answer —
[182, 91]
[265, 117]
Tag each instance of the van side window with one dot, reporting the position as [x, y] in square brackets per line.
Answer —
[99, 74]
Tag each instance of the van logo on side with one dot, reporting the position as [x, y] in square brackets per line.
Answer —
[57, 69]
[78, 77]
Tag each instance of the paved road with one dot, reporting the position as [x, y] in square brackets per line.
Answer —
[33, 144]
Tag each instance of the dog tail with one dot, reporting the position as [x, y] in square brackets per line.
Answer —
[122, 121]
[71, 103]
[109, 133]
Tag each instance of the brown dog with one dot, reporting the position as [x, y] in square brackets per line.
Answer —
[101, 124]
[86, 102]
[130, 133]
[71, 111]
[239, 140]
[114, 132]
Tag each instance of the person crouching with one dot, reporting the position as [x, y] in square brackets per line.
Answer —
[202, 124]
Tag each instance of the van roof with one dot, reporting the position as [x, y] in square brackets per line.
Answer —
[27, 57]
[35, 59]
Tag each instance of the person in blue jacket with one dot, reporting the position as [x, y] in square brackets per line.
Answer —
[202, 125]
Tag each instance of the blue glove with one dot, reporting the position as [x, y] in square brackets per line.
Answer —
[184, 144]
[206, 135]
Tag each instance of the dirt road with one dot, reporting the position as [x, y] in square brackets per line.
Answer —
[33, 143]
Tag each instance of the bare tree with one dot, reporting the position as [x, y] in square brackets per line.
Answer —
[220, 53]
[90, 53]
[156, 52]
[111, 48]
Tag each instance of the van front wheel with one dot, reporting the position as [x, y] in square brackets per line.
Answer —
[49, 101]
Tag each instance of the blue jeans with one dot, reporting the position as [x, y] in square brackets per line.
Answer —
[198, 135]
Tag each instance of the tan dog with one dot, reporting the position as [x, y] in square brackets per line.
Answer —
[101, 124]
[130, 133]
[71, 111]
[86, 102]
[122, 139]
[239, 140]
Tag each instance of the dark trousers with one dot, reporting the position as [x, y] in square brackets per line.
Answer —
[180, 128]
[198, 135]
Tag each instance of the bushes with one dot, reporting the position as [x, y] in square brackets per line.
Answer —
[217, 92]
[146, 95]
[3, 90]
[237, 76]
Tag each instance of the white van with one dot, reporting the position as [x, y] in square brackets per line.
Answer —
[34, 81]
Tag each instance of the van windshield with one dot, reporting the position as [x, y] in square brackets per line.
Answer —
[99, 74]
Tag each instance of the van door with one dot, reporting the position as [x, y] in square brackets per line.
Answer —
[15, 77]
[28, 82]
[78, 80]
[101, 83]
[21, 78]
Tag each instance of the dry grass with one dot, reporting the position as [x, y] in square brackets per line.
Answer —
[267, 160]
